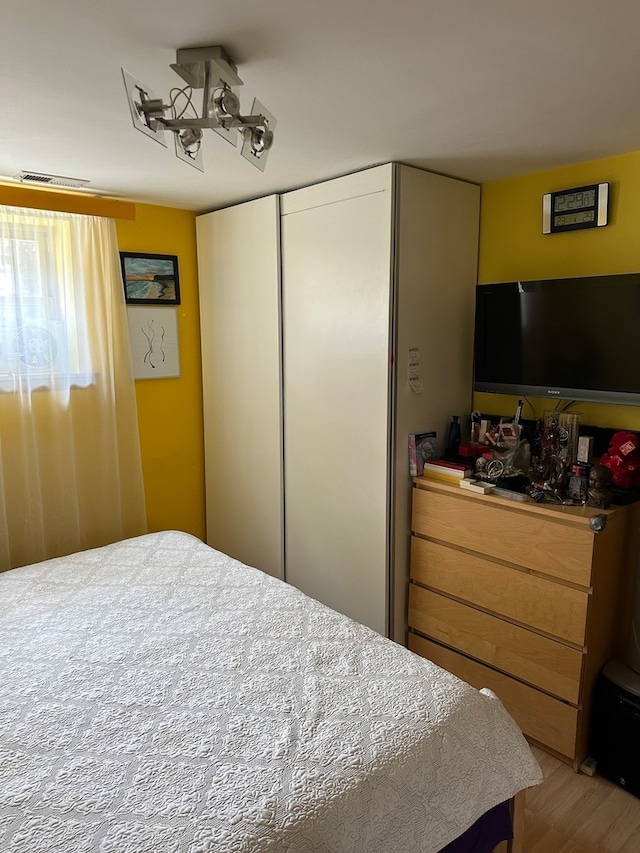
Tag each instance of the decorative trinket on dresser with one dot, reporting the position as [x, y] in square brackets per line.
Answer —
[600, 494]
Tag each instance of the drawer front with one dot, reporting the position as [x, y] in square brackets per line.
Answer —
[534, 601]
[541, 717]
[534, 541]
[542, 662]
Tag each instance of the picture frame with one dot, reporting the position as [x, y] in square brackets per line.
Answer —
[150, 278]
[155, 346]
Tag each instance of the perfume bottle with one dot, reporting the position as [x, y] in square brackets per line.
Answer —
[454, 434]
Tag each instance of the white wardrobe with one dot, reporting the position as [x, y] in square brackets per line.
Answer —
[313, 304]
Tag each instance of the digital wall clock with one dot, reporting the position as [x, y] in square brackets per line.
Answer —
[575, 209]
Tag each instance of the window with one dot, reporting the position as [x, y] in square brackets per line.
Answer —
[70, 471]
[43, 323]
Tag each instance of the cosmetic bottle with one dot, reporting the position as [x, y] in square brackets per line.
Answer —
[454, 435]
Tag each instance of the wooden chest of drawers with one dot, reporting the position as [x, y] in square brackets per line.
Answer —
[524, 599]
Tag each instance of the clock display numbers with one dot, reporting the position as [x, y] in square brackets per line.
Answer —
[575, 209]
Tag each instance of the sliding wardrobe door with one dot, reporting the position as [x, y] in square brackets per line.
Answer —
[336, 273]
[239, 282]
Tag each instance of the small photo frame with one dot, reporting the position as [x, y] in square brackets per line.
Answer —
[150, 279]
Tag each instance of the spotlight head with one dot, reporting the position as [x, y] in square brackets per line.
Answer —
[188, 144]
[260, 139]
[258, 135]
[150, 109]
[190, 139]
[225, 105]
[144, 107]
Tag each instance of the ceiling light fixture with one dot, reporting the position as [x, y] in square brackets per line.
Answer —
[212, 70]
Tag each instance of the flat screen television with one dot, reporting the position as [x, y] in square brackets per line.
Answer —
[565, 338]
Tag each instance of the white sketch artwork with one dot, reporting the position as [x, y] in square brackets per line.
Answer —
[153, 333]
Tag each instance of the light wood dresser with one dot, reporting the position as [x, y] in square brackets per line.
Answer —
[524, 599]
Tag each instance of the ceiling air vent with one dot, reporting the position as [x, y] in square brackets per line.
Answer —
[50, 180]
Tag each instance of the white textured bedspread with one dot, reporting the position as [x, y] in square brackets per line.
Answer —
[157, 696]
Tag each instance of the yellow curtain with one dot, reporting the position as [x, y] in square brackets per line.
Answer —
[70, 469]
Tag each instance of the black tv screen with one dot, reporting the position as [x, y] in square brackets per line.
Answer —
[567, 338]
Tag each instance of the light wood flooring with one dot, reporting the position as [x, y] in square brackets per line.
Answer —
[574, 813]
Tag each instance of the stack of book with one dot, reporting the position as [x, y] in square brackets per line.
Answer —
[446, 472]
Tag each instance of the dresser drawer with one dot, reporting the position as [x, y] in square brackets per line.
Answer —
[534, 601]
[526, 539]
[543, 718]
[541, 662]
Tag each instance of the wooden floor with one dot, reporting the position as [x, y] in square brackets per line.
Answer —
[574, 813]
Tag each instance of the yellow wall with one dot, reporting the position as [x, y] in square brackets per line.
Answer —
[170, 410]
[512, 246]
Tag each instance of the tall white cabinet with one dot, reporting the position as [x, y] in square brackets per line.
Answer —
[361, 270]
[239, 276]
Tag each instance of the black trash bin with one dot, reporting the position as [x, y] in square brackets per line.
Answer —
[615, 726]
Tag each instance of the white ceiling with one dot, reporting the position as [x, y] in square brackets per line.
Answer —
[478, 89]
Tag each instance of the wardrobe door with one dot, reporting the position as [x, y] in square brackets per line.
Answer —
[436, 273]
[239, 282]
[337, 302]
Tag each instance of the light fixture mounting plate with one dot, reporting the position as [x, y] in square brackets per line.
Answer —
[191, 65]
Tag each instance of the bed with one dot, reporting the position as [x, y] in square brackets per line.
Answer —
[158, 696]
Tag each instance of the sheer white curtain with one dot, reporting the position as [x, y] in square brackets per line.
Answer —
[70, 470]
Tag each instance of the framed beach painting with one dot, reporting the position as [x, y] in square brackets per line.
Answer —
[150, 279]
